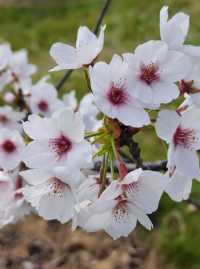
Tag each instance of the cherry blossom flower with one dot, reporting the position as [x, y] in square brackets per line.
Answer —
[111, 95]
[89, 112]
[21, 71]
[5, 56]
[6, 201]
[89, 189]
[12, 204]
[179, 187]
[182, 133]
[153, 71]
[193, 100]
[52, 192]
[88, 47]
[70, 101]
[190, 85]
[5, 78]
[58, 140]
[174, 32]
[10, 119]
[15, 69]
[11, 148]
[87, 108]
[9, 97]
[122, 204]
[44, 99]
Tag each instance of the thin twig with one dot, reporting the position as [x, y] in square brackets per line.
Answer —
[95, 31]
[101, 16]
[87, 80]
[103, 178]
[63, 79]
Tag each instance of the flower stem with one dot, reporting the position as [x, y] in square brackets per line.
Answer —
[116, 154]
[120, 164]
[112, 169]
[103, 172]
[93, 134]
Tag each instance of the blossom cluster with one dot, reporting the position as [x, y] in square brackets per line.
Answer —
[50, 146]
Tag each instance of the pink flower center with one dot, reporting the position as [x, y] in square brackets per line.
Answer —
[149, 73]
[8, 146]
[117, 96]
[183, 137]
[3, 119]
[120, 210]
[43, 106]
[130, 188]
[57, 185]
[61, 145]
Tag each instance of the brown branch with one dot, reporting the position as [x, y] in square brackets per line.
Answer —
[157, 166]
[95, 31]
[21, 103]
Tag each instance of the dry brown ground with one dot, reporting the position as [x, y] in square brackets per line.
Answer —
[36, 244]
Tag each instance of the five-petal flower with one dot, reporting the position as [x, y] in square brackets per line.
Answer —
[182, 133]
[153, 71]
[111, 94]
[57, 141]
[88, 47]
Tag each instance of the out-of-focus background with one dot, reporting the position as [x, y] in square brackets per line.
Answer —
[35, 244]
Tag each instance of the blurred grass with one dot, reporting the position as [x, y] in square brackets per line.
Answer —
[129, 23]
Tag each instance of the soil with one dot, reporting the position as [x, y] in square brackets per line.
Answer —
[36, 244]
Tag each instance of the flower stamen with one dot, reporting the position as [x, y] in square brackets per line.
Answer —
[117, 95]
[61, 145]
[183, 137]
[149, 73]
